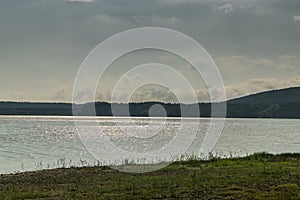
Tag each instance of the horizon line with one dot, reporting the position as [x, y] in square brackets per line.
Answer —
[150, 101]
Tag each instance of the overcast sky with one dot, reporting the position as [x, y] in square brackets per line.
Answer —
[256, 44]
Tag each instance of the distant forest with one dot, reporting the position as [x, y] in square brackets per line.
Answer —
[284, 103]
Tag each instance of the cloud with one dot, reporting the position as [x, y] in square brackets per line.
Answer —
[138, 18]
[251, 75]
[226, 7]
[245, 61]
[258, 85]
[163, 20]
[61, 44]
[80, 1]
[158, 93]
[247, 67]
[296, 18]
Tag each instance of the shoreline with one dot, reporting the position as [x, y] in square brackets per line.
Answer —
[257, 176]
[178, 159]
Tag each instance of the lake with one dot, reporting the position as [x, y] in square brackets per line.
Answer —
[38, 142]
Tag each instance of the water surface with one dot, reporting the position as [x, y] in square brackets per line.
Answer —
[31, 142]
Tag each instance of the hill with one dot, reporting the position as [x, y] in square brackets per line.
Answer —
[288, 95]
[283, 103]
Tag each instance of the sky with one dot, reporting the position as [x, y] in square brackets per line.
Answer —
[255, 44]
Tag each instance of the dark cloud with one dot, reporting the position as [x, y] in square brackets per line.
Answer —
[49, 39]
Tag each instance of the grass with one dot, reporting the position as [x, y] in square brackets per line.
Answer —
[258, 176]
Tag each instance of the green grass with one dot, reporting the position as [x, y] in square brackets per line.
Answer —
[259, 176]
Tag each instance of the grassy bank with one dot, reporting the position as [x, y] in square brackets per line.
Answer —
[259, 176]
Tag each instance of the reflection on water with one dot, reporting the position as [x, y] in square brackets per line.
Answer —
[28, 142]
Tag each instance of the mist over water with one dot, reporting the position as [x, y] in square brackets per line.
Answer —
[32, 143]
